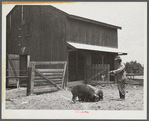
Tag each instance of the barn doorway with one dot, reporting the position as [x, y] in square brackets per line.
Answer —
[76, 66]
[16, 68]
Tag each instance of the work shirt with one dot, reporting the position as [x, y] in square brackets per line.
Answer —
[120, 72]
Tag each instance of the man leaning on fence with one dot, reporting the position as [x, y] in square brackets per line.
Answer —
[120, 76]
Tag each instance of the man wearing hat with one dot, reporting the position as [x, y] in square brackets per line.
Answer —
[119, 73]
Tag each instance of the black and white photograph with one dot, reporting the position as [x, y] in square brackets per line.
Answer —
[74, 60]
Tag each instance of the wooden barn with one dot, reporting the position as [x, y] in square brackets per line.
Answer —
[45, 33]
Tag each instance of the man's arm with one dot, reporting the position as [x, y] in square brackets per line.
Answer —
[122, 67]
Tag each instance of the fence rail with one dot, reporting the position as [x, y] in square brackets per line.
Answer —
[42, 75]
[47, 62]
[16, 76]
[100, 72]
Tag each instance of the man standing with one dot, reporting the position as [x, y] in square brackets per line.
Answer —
[119, 73]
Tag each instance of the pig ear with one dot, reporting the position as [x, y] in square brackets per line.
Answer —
[96, 95]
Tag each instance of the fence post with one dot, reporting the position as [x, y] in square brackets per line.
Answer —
[7, 72]
[30, 81]
[24, 62]
[67, 70]
[65, 65]
[108, 66]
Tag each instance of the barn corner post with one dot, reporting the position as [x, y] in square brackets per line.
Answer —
[30, 81]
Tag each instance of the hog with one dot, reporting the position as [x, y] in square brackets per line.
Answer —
[100, 94]
[97, 92]
[84, 93]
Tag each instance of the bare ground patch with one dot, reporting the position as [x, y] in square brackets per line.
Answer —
[61, 100]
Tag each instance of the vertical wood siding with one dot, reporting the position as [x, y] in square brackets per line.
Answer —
[13, 36]
[43, 33]
[84, 32]
[43, 30]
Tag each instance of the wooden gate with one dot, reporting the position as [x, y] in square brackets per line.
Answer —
[100, 73]
[46, 73]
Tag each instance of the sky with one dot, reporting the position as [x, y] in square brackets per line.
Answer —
[131, 16]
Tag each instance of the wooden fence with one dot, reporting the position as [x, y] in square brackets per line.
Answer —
[100, 73]
[51, 72]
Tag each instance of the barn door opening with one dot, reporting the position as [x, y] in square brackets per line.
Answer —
[16, 69]
[76, 66]
[12, 69]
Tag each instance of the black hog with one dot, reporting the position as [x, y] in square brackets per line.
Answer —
[100, 94]
[81, 98]
[97, 92]
[84, 93]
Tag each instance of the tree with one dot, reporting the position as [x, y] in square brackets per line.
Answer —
[134, 67]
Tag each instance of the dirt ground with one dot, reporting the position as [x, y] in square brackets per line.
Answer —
[61, 100]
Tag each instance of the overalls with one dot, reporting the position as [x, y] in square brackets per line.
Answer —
[120, 76]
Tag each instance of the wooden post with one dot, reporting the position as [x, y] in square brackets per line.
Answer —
[115, 67]
[66, 77]
[24, 64]
[30, 81]
[108, 74]
[88, 67]
[65, 66]
[7, 71]
[67, 70]
[102, 57]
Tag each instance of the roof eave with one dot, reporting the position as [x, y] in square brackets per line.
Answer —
[93, 21]
[122, 53]
[86, 47]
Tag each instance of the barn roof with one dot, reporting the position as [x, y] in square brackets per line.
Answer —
[93, 21]
[81, 46]
[76, 17]
[86, 19]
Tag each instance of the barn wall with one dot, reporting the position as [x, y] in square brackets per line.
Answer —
[42, 33]
[43, 30]
[89, 33]
[13, 35]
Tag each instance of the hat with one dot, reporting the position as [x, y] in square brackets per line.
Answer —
[118, 58]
